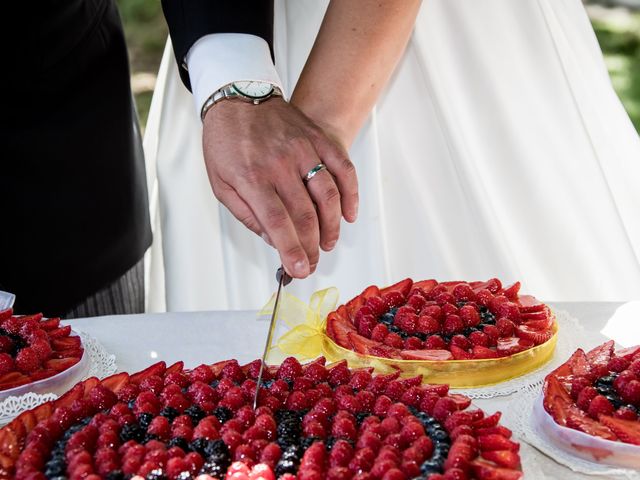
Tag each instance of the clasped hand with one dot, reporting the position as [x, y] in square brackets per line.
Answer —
[256, 157]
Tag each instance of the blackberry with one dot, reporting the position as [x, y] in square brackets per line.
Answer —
[184, 476]
[330, 442]
[208, 448]
[421, 336]
[170, 413]
[361, 416]
[214, 469]
[285, 466]
[115, 475]
[157, 474]
[148, 437]
[132, 431]
[179, 442]
[195, 413]
[223, 414]
[144, 419]
[308, 441]
[289, 460]
[461, 303]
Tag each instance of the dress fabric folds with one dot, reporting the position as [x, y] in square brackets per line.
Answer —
[499, 149]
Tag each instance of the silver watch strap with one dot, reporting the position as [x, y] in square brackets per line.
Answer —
[229, 92]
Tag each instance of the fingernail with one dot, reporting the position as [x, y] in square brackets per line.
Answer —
[330, 245]
[301, 268]
[267, 240]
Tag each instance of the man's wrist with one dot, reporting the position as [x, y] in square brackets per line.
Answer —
[230, 92]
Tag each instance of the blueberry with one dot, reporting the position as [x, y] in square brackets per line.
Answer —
[214, 383]
[144, 419]
[132, 431]
[387, 318]
[607, 379]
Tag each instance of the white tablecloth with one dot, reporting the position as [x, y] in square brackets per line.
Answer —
[207, 337]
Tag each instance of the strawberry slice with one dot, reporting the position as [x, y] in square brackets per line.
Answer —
[176, 367]
[338, 330]
[529, 304]
[503, 458]
[66, 343]
[60, 332]
[497, 442]
[537, 337]
[480, 352]
[486, 471]
[627, 431]
[601, 354]
[4, 314]
[89, 384]
[367, 346]
[541, 315]
[543, 324]
[461, 401]
[628, 353]
[460, 354]
[155, 369]
[579, 364]
[511, 292]
[12, 380]
[556, 400]
[429, 355]
[50, 324]
[76, 393]
[116, 382]
[72, 353]
[488, 422]
[371, 291]
[60, 364]
[425, 285]
[403, 287]
[36, 316]
[511, 345]
[578, 420]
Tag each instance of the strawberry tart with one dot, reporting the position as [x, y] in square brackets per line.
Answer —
[462, 333]
[313, 422]
[590, 405]
[34, 349]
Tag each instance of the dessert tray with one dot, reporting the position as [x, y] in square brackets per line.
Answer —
[313, 421]
[586, 416]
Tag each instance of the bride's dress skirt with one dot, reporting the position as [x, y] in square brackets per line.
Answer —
[498, 149]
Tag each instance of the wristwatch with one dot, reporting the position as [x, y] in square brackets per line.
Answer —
[247, 91]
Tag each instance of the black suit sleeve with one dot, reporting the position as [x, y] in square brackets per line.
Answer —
[189, 20]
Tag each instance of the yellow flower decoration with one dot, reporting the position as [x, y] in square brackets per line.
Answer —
[305, 324]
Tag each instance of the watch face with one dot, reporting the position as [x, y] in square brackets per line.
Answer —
[254, 89]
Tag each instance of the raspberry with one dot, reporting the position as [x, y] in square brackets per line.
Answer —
[469, 315]
[462, 292]
[297, 401]
[369, 440]
[153, 383]
[444, 298]
[444, 407]
[483, 297]
[379, 332]
[411, 432]
[341, 454]
[506, 327]
[6, 344]
[584, 398]
[427, 324]
[27, 360]
[452, 324]
[339, 375]
[42, 349]
[635, 367]
[271, 454]
[479, 338]
[433, 311]
[416, 301]
[175, 466]
[406, 322]
[577, 385]
[177, 378]
[201, 373]
[344, 428]
[393, 340]
[623, 378]
[365, 325]
[600, 405]
[630, 393]
[508, 310]
[360, 379]
[382, 465]
[394, 299]
[449, 309]
[362, 460]
[349, 403]
[461, 341]
[435, 342]
[128, 392]
[377, 305]
[394, 390]
[493, 333]
[233, 372]
[394, 474]
[412, 396]
[6, 363]
[316, 372]
[626, 413]
[618, 364]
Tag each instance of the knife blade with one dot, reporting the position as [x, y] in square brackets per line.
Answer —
[283, 280]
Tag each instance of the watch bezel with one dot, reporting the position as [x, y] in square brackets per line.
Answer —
[252, 97]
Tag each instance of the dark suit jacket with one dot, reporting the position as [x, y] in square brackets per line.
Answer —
[74, 204]
[189, 20]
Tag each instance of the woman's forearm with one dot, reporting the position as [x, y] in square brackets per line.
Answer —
[355, 52]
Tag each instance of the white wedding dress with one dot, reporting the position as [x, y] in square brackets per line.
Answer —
[499, 148]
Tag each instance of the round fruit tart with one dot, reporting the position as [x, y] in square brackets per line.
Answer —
[33, 348]
[462, 333]
[313, 422]
[591, 405]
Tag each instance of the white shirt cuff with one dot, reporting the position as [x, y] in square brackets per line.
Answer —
[219, 59]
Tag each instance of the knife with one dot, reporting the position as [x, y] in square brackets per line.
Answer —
[283, 279]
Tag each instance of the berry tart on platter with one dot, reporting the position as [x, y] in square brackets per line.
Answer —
[38, 355]
[313, 422]
[465, 334]
[589, 406]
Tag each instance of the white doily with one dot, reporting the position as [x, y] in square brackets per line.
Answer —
[101, 364]
[519, 417]
[571, 336]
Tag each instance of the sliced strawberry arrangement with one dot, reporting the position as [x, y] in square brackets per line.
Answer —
[597, 393]
[34, 348]
[458, 320]
[313, 422]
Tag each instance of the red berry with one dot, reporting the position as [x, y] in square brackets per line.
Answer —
[483, 297]
[618, 364]
[506, 327]
[469, 315]
[577, 385]
[42, 349]
[6, 363]
[175, 466]
[444, 407]
[584, 398]
[427, 324]
[435, 342]
[379, 332]
[452, 324]
[394, 299]
[479, 338]
[630, 393]
[600, 405]
[433, 311]
[27, 360]
[393, 340]
[463, 292]
[635, 367]
[461, 341]
[377, 305]
[626, 413]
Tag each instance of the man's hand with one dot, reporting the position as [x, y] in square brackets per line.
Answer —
[256, 157]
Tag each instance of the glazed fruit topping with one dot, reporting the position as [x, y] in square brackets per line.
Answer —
[441, 321]
[34, 348]
[597, 393]
[312, 422]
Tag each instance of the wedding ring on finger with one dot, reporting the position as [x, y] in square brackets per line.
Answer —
[312, 173]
